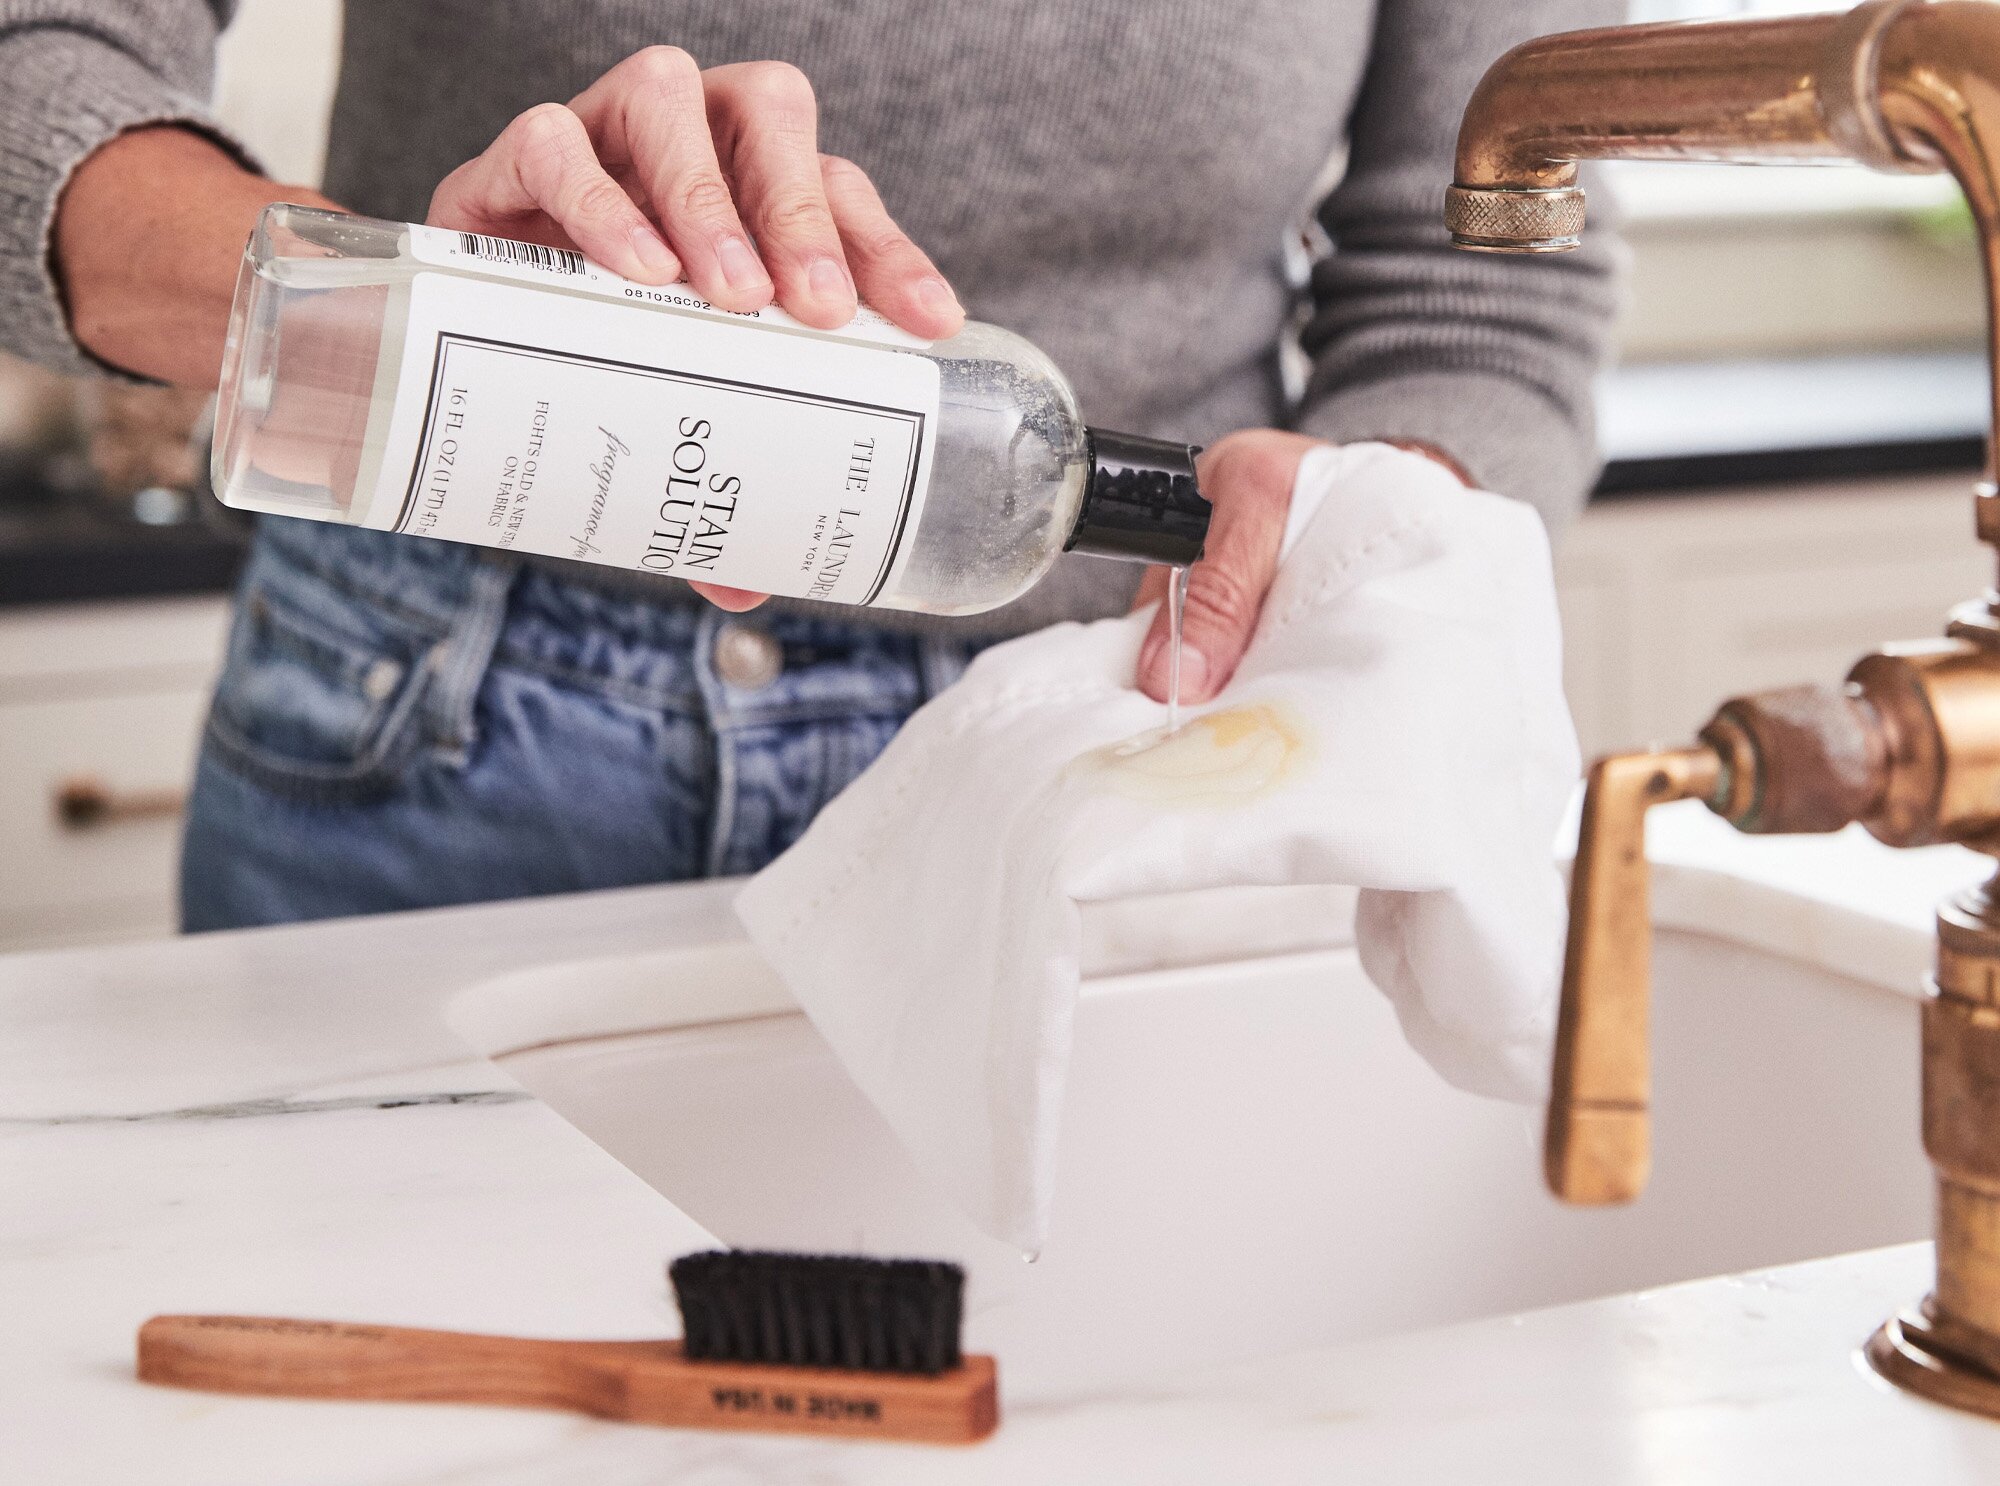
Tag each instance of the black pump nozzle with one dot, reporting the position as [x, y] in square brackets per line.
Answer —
[1143, 504]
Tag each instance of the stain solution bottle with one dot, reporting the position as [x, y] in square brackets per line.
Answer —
[450, 385]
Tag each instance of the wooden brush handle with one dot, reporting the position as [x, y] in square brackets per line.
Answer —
[647, 1381]
[333, 1359]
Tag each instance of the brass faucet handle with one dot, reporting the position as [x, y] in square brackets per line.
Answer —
[1597, 1148]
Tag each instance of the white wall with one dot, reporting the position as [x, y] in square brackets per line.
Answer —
[274, 82]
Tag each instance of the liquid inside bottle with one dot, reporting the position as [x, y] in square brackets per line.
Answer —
[448, 385]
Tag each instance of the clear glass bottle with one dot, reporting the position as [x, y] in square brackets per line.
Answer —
[475, 389]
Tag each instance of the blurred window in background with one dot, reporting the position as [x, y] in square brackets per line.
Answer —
[1735, 261]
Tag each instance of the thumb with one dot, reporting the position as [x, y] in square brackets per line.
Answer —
[729, 600]
[1249, 478]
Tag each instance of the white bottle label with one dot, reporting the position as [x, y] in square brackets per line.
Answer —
[693, 446]
[565, 268]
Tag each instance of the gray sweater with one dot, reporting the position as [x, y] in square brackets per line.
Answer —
[1115, 179]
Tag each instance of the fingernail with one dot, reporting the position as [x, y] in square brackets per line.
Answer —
[1194, 673]
[1149, 654]
[937, 299]
[740, 266]
[829, 280]
[652, 250]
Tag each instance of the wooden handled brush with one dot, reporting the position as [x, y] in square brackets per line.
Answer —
[841, 1346]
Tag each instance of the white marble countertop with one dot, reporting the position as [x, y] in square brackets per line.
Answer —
[281, 1122]
[1844, 903]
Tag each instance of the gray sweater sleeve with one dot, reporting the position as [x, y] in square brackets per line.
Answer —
[74, 74]
[1488, 358]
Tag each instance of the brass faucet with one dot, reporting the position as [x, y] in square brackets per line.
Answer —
[1909, 747]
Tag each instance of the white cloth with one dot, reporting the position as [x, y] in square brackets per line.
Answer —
[1397, 725]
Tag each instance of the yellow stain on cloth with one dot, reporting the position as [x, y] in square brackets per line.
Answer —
[1219, 759]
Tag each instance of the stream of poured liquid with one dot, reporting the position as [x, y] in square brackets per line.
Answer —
[1177, 584]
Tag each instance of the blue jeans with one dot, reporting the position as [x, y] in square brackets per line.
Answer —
[405, 724]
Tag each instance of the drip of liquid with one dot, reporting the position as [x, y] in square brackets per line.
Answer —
[1177, 586]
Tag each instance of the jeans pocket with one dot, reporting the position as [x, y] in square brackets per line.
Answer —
[320, 695]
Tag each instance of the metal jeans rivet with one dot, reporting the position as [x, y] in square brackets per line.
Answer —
[380, 679]
[747, 658]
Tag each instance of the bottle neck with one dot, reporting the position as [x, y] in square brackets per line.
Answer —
[1143, 503]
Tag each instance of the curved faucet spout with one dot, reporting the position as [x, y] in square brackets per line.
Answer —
[1907, 85]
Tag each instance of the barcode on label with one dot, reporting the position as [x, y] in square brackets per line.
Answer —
[520, 255]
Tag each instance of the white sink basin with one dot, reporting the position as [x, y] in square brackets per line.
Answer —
[1252, 1160]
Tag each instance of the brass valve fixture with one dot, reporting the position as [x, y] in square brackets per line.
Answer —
[1887, 750]
[1909, 747]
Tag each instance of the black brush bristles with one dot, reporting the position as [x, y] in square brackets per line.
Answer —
[815, 1310]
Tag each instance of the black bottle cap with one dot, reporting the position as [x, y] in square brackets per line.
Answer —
[1143, 504]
